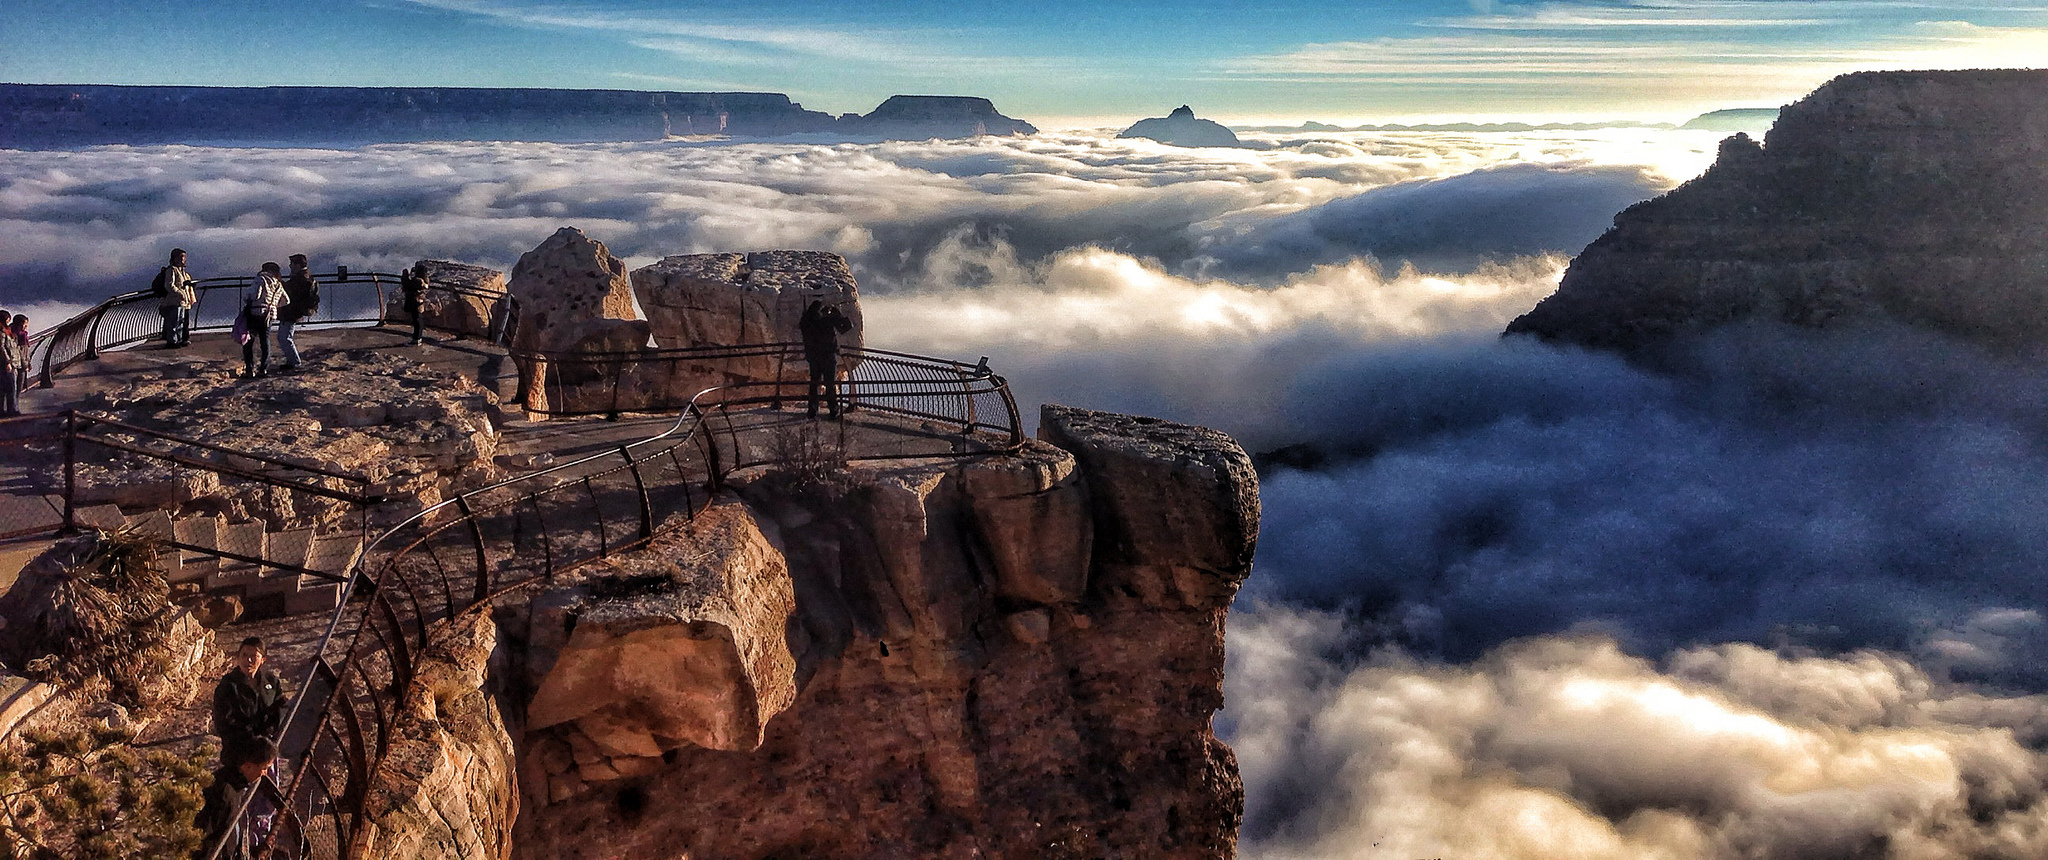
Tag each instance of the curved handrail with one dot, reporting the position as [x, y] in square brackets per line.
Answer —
[346, 298]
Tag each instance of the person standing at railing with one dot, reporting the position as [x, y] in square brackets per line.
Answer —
[820, 327]
[19, 329]
[302, 298]
[413, 286]
[13, 360]
[176, 294]
[253, 328]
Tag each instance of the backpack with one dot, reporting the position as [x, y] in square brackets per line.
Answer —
[158, 286]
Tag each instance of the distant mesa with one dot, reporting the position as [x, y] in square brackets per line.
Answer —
[919, 117]
[1750, 120]
[1910, 197]
[1182, 128]
[63, 115]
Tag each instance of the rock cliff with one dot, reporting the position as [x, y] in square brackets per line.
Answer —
[61, 115]
[998, 657]
[1182, 128]
[1921, 197]
[915, 117]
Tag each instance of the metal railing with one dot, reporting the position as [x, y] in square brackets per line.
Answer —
[346, 298]
[460, 555]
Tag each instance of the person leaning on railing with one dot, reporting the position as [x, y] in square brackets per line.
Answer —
[175, 297]
[301, 299]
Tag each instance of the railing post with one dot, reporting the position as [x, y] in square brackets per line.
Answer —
[70, 472]
[640, 484]
[92, 337]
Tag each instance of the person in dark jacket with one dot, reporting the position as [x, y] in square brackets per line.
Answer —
[242, 771]
[176, 294]
[13, 360]
[249, 702]
[301, 299]
[820, 326]
[413, 286]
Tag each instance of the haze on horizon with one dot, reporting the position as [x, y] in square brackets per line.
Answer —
[1059, 62]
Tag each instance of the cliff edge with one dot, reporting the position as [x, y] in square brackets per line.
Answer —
[1919, 197]
[1012, 656]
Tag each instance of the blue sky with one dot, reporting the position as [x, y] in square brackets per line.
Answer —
[1050, 60]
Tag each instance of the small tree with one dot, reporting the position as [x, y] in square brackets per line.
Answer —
[87, 794]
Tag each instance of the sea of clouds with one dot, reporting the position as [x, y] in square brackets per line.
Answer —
[1778, 598]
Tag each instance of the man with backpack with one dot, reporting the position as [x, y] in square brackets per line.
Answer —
[176, 294]
[302, 298]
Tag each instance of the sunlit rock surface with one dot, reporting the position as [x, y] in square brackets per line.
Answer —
[1919, 197]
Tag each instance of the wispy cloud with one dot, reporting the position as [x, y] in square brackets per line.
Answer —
[756, 42]
[1712, 48]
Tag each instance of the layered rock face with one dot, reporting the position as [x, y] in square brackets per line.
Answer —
[914, 117]
[1001, 657]
[1182, 128]
[1921, 197]
[56, 115]
[33, 115]
[699, 300]
[444, 790]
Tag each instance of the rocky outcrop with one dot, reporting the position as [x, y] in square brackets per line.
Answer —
[573, 296]
[1182, 128]
[699, 300]
[1919, 197]
[410, 430]
[918, 117]
[684, 644]
[444, 786]
[466, 300]
[1008, 657]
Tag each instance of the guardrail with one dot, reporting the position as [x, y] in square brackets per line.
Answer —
[346, 298]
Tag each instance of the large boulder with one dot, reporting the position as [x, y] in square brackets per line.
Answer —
[700, 300]
[1176, 506]
[573, 297]
[681, 645]
[472, 305]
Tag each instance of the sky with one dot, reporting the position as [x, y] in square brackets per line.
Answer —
[1057, 62]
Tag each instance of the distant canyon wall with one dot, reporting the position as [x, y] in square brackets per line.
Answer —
[59, 115]
[1918, 197]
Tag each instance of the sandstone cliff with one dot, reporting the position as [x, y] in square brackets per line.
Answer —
[998, 657]
[1917, 196]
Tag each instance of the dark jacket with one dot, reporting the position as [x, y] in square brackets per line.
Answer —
[821, 325]
[244, 708]
[413, 288]
[301, 297]
[216, 817]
